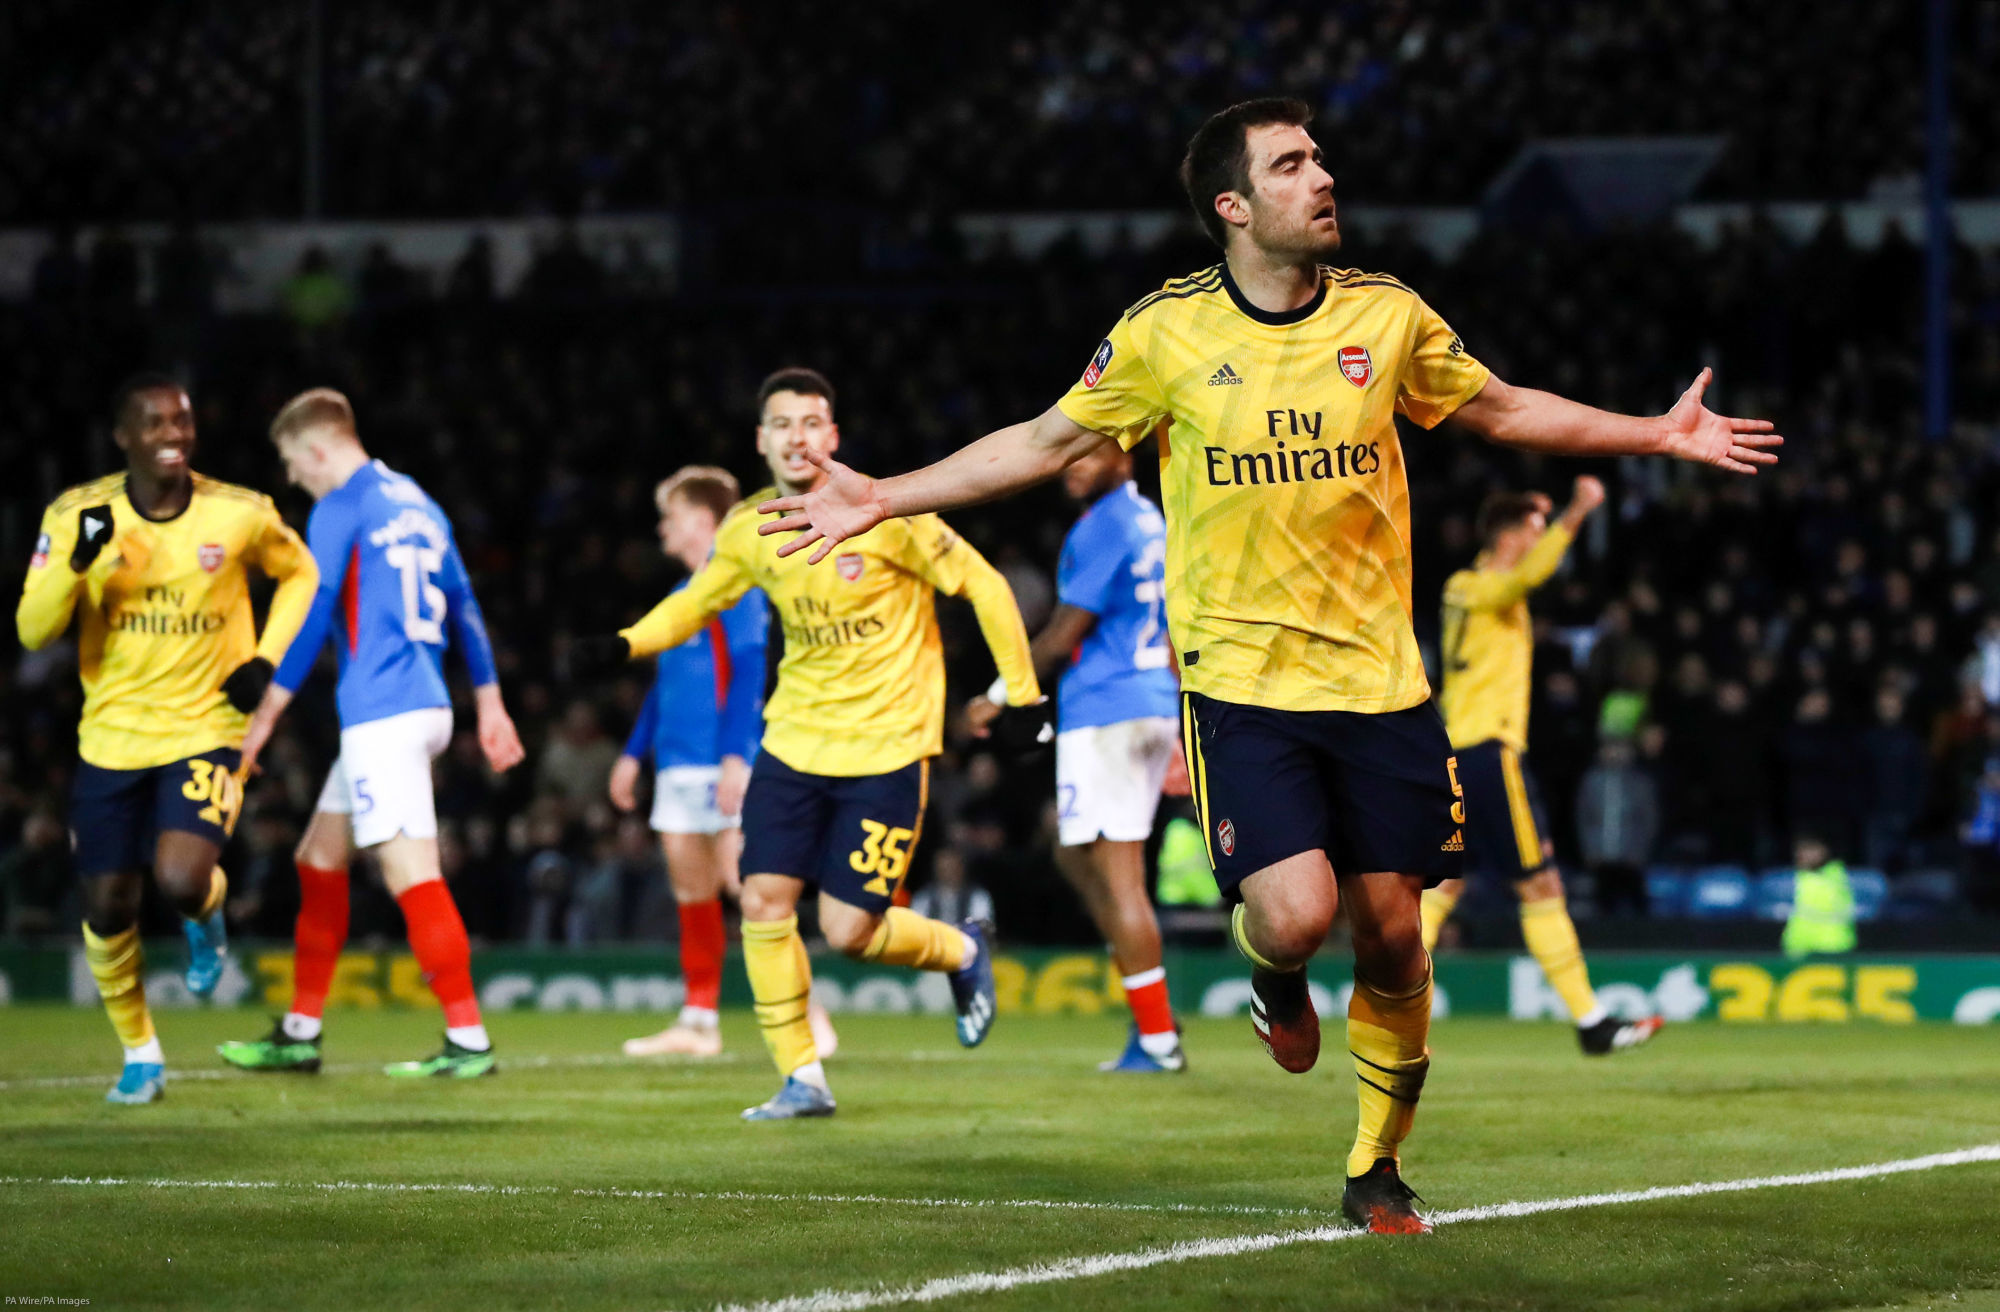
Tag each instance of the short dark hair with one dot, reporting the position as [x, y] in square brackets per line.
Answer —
[795, 378]
[150, 380]
[1218, 157]
[1502, 511]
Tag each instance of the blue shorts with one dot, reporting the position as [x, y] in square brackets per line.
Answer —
[851, 837]
[116, 817]
[1504, 820]
[1373, 791]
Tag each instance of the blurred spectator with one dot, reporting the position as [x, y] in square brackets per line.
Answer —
[1898, 768]
[35, 877]
[576, 765]
[950, 896]
[315, 297]
[1824, 783]
[1618, 819]
[1822, 918]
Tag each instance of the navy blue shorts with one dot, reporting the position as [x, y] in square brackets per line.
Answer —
[116, 817]
[1504, 820]
[852, 837]
[1373, 792]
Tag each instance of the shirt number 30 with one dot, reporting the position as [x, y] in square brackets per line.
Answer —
[884, 853]
[216, 787]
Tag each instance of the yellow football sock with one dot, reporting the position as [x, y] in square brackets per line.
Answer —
[1242, 940]
[218, 889]
[905, 938]
[118, 963]
[1437, 909]
[1386, 1035]
[1551, 936]
[781, 982]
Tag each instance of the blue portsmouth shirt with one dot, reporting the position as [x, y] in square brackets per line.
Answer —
[1114, 565]
[707, 699]
[390, 581]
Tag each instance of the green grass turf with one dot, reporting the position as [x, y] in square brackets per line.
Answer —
[1512, 1112]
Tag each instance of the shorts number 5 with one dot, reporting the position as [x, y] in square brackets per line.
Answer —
[884, 853]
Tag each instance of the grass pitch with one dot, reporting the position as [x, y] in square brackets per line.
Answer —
[606, 1183]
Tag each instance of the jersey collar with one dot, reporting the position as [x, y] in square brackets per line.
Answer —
[1276, 318]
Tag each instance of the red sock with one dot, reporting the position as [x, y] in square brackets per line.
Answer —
[318, 936]
[1148, 999]
[702, 945]
[437, 936]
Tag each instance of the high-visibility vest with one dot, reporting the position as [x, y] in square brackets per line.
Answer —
[1822, 918]
[1185, 879]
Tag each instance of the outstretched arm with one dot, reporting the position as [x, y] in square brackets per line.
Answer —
[1542, 421]
[848, 504]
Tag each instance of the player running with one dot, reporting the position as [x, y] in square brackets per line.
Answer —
[1117, 734]
[1323, 776]
[700, 725]
[1489, 647]
[391, 580]
[836, 798]
[152, 564]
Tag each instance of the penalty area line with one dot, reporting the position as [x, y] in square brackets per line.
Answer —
[1083, 1268]
[666, 1195]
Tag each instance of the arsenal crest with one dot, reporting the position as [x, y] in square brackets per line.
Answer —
[211, 556]
[849, 565]
[1355, 365]
[1225, 837]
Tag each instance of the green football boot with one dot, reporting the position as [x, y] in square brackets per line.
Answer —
[277, 1051]
[454, 1063]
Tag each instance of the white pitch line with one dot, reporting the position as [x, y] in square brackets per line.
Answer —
[1082, 1268]
[363, 1068]
[675, 1195]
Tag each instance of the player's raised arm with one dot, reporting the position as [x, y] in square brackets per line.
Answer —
[1496, 589]
[65, 550]
[715, 587]
[849, 503]
[1532, 420]
[944, 560]
[282, 555]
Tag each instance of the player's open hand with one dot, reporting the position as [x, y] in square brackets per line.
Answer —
[1696, 433]
[845, 505]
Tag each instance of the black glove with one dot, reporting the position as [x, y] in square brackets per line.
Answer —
[246, 683]
[1024, 730]
[597, 655]
[93, 533]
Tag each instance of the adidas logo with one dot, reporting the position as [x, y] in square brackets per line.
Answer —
[1456, 844]
[1225, 377]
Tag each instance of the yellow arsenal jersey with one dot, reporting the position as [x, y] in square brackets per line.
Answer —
[1287, 505]
[164, 615]
[1489, 645]
[861, 687]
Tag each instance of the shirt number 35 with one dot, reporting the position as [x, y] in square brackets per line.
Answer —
[884, 853]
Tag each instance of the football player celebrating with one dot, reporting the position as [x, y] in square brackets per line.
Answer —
[391, 581]
[152, 564]
[1323, 777]
[1489, 648]
[700, 725]
[1116, 732]
[836, 799]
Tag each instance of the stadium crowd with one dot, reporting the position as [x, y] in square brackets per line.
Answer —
[124, 111]
[1724, 664]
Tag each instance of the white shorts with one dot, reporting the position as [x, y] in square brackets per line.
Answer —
[382, 780]
[684, 801]
[1108, 778]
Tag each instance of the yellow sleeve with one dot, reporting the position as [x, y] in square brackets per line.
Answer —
[1117, 395]
[283, 555]
[1489, 589]
[48, 595]
[934, 553]
[715, 587]
[1440, 376]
